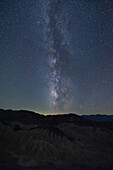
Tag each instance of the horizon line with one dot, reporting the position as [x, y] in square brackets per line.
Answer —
[59, 113]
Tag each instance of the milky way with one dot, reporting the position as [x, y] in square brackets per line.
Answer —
[58, 54]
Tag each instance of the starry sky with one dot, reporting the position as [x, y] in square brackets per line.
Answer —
[56, 56]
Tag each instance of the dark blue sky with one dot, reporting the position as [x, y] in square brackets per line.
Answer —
[57, 56]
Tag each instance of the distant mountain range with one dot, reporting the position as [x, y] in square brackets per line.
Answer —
[99, 118]
[29, 117]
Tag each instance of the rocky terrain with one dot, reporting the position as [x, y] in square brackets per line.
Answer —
[30, 141]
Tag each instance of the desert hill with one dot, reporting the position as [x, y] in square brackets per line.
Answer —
[32, 141]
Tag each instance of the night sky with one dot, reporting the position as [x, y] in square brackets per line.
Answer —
[56, 56]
